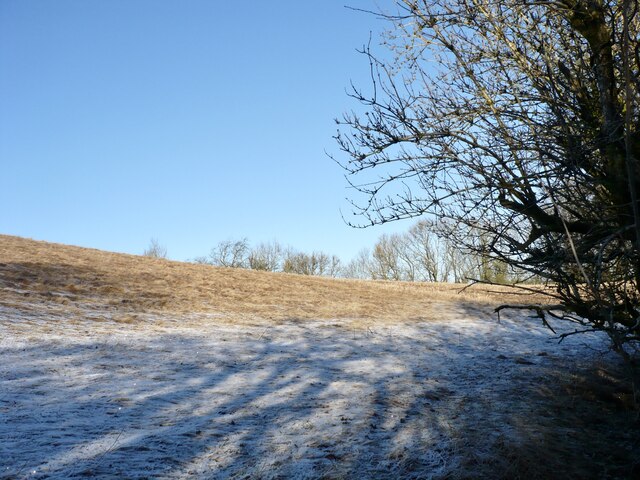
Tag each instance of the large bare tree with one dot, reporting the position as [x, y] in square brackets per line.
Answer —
[516, 120]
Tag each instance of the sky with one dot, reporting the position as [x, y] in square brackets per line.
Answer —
[187, 121]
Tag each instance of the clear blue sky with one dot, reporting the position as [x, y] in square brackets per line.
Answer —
[190, 121]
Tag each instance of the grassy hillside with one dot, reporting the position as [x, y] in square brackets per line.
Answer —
[121, 285]
[122, 366]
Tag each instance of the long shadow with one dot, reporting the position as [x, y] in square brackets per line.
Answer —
[42, 281]
[315, 400]
[567, 411]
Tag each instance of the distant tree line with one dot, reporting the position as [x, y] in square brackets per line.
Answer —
[271, 257]
[418, 254]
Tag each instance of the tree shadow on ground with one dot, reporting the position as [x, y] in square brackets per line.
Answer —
[315, 400]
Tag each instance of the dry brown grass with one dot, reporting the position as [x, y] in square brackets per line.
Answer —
[125, 284]
[75, 313]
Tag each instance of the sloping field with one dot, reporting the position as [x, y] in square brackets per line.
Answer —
[119, 366]
[118, 285]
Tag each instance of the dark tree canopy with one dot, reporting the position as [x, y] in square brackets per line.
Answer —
[515, 122]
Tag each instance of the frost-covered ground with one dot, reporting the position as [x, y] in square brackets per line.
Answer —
[460, 395]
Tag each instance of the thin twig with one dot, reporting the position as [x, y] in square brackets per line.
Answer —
[101, 457]
[539, 309]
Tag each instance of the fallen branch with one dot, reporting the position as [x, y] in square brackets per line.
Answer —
[539, 309]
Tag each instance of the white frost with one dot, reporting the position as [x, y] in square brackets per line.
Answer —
[295, 400]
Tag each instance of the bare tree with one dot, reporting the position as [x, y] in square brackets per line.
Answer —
[360, 266]
[429, 252]
[335, 266]
[461, 266]
[230, 253]
[297, 262]
[266, 256]
[417, 255]
[518, 120]
[202, 260]
[386, 259]
[155, 249]
[315, 263]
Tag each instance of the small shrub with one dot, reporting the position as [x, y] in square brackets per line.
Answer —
[155, 250]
